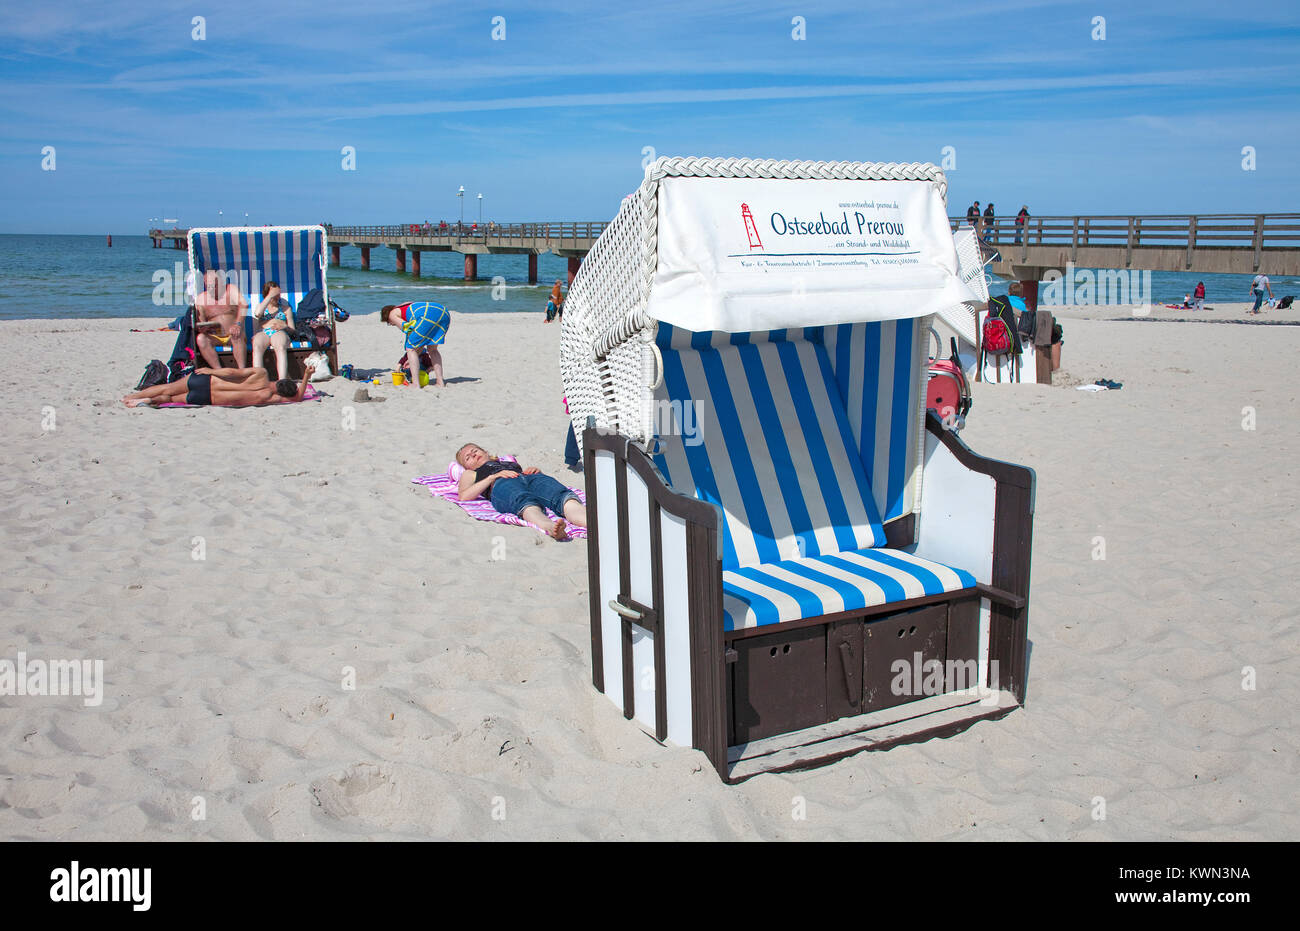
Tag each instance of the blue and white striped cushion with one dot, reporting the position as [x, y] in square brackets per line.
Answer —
[776, 451]
[792, 589]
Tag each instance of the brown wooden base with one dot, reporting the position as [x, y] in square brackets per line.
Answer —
[793, 679]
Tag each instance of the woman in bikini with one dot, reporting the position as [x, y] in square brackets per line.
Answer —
[274, 318]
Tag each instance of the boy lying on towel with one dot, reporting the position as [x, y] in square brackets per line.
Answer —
[527, 494]
[247, 387]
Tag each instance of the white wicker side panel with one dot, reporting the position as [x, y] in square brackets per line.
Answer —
[970, 265]
[609, 288]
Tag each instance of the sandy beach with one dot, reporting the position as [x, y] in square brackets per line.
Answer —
[235, 570]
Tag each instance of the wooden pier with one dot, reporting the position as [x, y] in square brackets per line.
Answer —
[570, 239]
[1237, 244]
[177, 237]
[1243, 244]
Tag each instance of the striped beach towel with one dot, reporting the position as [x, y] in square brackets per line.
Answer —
[444, 486]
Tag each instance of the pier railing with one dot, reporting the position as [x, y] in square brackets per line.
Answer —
[469, 233]
[1199, 231]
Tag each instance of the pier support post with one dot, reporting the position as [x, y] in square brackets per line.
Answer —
[365, 257]
[532, 268]
[401, 259]
[1029, 291]
[334, 256]
[471, 267]
[415, 262]
[574, 263]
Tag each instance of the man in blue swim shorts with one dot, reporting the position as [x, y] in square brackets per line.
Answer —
[513, 489]
[425, 325]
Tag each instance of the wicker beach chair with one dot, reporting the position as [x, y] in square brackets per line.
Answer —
[294, 256]
[775, 523]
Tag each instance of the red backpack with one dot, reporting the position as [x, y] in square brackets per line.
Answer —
[997, 336]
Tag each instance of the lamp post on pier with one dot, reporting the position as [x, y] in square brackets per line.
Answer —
[480, 210]
[460, 195]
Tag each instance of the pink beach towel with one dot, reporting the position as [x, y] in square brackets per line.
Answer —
[444, 486]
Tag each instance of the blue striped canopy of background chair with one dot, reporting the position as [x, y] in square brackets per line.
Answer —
[293, 257]
[803, 438]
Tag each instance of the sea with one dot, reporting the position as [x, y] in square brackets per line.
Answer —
[82, 276]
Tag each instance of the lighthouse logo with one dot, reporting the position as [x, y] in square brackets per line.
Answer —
[750, 229]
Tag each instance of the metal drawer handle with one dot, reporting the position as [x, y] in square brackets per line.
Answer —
[625, 611]
[850, 679]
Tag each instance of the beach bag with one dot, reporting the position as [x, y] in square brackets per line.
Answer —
[997, 336]
[181, 365]
[312, 303]
[155, 373]
[322, 364]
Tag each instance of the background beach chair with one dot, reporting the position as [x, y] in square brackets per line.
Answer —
[775, 523]
[294, 256]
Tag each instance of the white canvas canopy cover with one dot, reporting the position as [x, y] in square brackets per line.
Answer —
[749, 254]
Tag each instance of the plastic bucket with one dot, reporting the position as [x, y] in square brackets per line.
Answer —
[424, 379]
[399, 378]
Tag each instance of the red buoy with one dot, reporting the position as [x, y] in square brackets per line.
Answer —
[110, 242]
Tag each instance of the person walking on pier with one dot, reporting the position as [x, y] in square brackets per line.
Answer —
[1257, 288]
[990, 224]
[1021, 219]
[973, 215]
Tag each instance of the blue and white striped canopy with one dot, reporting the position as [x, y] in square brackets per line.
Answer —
[292, 256]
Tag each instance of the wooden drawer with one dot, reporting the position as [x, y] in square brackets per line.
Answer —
[783, 682]
[779, 683]
[916, 638]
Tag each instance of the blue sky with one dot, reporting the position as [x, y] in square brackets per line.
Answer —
[551, 123]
